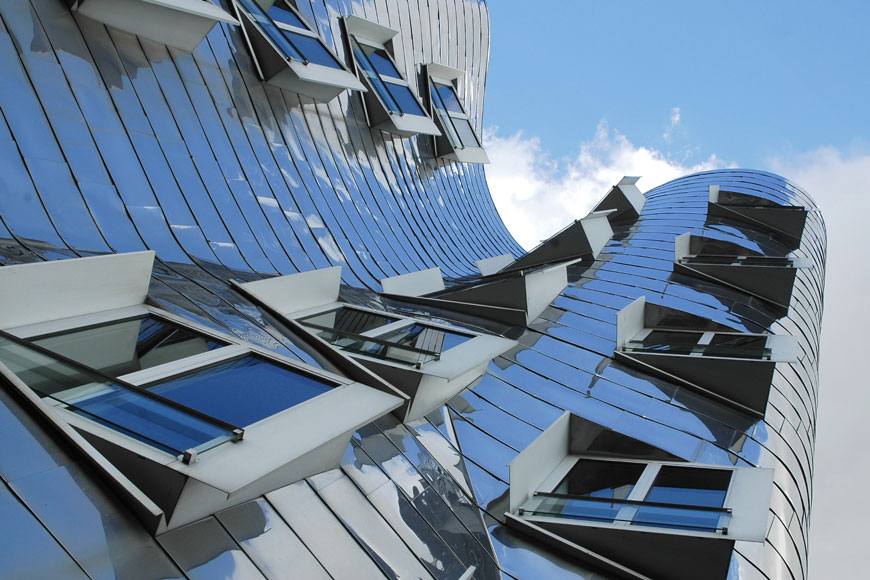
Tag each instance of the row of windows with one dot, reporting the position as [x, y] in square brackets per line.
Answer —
[288, 53]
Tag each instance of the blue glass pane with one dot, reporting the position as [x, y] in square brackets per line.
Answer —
[148, 420]
[242, 391]
[377, 84]
[381, 62]
[284, 16]
[680, 518]
[449, 98]
[126, 346]
[312, 49]
[444, 117]
[273, 32]
[686, 486]
[120, 408]
[405, 99]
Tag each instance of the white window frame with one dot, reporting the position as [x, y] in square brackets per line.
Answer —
[379, 116]
[449, 145]
[311, 79]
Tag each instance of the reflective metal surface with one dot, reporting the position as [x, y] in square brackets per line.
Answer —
[115, 143]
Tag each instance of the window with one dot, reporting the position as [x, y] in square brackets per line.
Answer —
[429, 362]
[391, 104]
[193, 421]
[616, 502]
[732, 366]
[290, 55]
[784, 222]
[458, 140]
[365, 332]
[624, 201]
[629, 493]
[770, 278]
[178, 23]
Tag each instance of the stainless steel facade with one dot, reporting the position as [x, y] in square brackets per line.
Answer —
[114, 143]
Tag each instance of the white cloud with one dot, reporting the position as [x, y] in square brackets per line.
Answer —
[537, 194]
[675, 120]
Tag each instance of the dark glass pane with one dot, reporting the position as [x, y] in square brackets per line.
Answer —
[117, 407]
[346, 319]
[118, 348]
[607, 479]
[275, 34]
[449, 98]
[312, 49]
[444, 117]
[381, 61]
[737, 346]
[405, 99]
[674, 342]
[376, 348]
[466, 133]
[426, 338]
[280, 14]
[242, 391]
[745, 199]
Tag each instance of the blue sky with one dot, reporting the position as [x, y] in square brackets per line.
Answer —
[752, 79]
[582, 92]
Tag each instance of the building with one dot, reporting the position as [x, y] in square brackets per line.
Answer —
[625, 400]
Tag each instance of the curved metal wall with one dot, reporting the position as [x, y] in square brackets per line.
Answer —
[114, 143]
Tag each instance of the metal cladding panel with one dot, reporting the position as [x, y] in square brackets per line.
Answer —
[114, 143]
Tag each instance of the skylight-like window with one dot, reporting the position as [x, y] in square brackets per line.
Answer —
[192, 420]
[732, 366]
[613, 503]
[391, 104]
[289, 54]
[459, 141]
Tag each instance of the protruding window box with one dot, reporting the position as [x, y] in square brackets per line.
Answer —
[731, 366]
[785, 222]
[632, 517]
[458, 140]
[185, 421]
[429, 362]
[289, 55]
[181, 24]
[515, 298]
[390, 103]
[624, 200]
[770, 278]
[585, 238]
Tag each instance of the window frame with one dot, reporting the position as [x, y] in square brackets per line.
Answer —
[640, 491]
[317, 81]
[142, 379]
[378, 113]
[449, 144]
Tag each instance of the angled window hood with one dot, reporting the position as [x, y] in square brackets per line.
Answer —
[770, 278]
[641, 515]
[390, 103]
[428, 362]
[624, 200]
[731, 366]
[584, 238]
[155, 400]
[514, 298]
[458, 140]
[783, 222]
[181, 24]
[290, 55]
